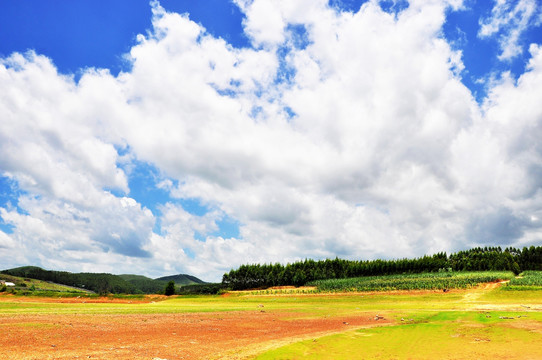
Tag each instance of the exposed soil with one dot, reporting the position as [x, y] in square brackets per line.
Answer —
[160, 336]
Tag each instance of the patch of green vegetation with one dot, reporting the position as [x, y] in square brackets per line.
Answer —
[298, 306]
[202, 289]
[529, 280]
[424, 281]
[460, 335]
[28, 286]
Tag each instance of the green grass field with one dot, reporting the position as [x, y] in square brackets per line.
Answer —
[445, 335]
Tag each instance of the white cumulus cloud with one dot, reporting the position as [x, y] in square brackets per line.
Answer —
[337, 134]
[509, 20]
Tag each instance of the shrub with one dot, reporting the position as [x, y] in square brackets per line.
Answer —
[170, 288]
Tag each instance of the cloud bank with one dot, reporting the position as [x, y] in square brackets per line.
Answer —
[337, 133]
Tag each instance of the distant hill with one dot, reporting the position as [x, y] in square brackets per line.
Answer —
[145, 284]
[103, 282]
[98, 282]
[182, 279]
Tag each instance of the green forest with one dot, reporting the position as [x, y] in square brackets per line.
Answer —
[302, 272]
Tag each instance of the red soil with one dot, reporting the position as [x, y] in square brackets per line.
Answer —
[159, 336]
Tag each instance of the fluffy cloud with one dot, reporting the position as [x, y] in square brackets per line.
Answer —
[510, 19]
[53, 138]
[55, 142]
[6, 242]
[337, 134]
[500, 179]
[52, 230]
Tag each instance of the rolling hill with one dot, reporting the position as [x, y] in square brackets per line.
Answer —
[182, 279]
[144, 284]
[101, 282]
[98, 282]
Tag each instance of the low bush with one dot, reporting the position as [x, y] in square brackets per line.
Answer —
[424, 281]
[202, 289]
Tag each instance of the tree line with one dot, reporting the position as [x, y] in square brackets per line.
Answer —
[299, 273]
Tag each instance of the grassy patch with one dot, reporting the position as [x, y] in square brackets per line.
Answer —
[456, 335]
[304, 306]
[27, 286]
[509, 295]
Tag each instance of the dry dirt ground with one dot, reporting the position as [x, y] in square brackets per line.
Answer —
[223, 335]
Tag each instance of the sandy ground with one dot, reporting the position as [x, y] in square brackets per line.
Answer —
[224, 335]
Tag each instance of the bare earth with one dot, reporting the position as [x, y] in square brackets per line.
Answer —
[222, 335]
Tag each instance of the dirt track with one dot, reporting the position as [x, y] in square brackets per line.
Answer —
[158, 336]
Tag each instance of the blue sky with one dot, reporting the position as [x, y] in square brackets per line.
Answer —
[98, 33]
[206, 134]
